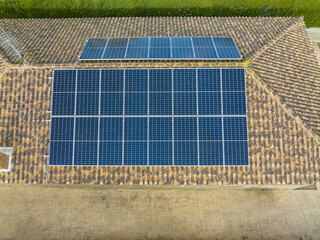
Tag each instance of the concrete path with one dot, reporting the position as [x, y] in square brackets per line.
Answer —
[102, 212]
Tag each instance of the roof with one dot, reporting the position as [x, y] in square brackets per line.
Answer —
[282, 97]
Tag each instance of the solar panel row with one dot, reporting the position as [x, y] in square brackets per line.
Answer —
[160, 48]
[149, 117]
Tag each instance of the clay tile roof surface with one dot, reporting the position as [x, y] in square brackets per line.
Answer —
[282, 85]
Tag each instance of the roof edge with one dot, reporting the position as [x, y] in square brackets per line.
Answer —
[285, 107]
[276, 39]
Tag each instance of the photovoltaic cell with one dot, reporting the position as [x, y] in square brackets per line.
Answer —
[149, 117]
[160, 48]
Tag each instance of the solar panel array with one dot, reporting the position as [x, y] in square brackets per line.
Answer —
[160, 48]
[149, 117]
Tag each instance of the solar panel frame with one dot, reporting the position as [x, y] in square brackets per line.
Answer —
[239, 56]
[123, 116]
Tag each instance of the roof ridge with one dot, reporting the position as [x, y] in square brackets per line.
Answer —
[275, 40]
[284, 105]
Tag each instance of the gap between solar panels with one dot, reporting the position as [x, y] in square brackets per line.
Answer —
[160, 48]
[149, 117]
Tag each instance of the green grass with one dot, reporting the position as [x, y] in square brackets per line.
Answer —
[310, 9]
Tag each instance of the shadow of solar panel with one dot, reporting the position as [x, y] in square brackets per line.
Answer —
[61, 153]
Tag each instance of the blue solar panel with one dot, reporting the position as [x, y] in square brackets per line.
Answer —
[139, 42]
[160, 103]
[185, 128]
[234, 103]
[160, 153]
[209, 80]
[110, 153]
[111, 128]
[86, 129]
[63, 104]
[86, 153]
[233, 80]
[136, 104]
[64, 81]
[185, 80]
[209, 103]
[160, 80]
[88, 81]
[94, 48]
[185, 103]
[137, 53]
[235, 128]
[160, 53]
[160, 48]
[135, 129]
[226, 48]
[236, 152]
[185, 153]
[62, 129]
[160, 129]
[136, 153]
[136, 80]
[114, 53]
[61, 153]
[87, 104]
[125, 117]
[111, 104]
[112, 80]
[210, 129]
[211, 153]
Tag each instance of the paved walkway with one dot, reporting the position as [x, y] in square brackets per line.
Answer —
[102, 212]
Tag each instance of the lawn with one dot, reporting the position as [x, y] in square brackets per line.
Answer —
[310, 9]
